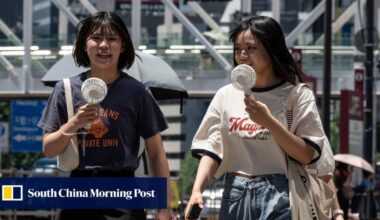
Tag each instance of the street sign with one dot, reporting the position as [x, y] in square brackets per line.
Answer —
[297, 56]
[26, 136]
[359, 80]
[351, 122]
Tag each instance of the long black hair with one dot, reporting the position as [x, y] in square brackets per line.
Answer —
[269, 32]
[105, 21]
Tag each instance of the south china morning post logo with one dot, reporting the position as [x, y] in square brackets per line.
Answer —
[12, 193]
[72, 193]
[92, 193]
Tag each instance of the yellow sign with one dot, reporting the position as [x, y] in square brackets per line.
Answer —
[174, 194]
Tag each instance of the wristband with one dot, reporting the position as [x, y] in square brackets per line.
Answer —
[337, 212]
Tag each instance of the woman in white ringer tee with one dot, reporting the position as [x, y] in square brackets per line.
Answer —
[246, 139]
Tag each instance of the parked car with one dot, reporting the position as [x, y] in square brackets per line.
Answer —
[47, 167]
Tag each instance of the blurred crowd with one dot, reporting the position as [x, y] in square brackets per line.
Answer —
[361, 201]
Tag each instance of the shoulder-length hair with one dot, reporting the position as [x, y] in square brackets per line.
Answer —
[269, 32]
[106, 21]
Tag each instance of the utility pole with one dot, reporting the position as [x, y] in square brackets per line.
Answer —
[327, 70]
[368, 107]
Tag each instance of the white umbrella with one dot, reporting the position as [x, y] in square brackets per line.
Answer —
[355, 161]
[151, 70]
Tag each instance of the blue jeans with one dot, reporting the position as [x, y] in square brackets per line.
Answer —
[261, 198]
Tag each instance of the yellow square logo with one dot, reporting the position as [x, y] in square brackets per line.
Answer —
[12, 193]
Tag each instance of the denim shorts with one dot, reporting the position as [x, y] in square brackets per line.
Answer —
[265, 197]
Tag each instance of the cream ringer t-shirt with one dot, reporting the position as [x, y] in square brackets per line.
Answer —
[240, 145]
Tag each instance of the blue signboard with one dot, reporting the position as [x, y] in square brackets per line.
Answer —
[26, 136]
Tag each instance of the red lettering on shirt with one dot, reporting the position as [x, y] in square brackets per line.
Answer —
[243, 124]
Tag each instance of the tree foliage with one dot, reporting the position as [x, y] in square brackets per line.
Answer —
[9, 160]
[19, 160]
[187, 173]
[334, 136]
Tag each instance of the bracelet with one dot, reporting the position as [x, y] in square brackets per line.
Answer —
[66, 134]
[337, 212]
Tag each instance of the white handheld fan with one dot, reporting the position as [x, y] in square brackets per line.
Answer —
[243, 78]
[94, 90]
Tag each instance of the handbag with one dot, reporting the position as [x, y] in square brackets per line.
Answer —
[69, 159]
[310, 197]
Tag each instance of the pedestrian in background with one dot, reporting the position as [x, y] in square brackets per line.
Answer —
[246, 139]
[342, 179]
[127, 113]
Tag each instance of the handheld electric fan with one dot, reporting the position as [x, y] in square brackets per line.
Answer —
[243, 78]
[94, 90]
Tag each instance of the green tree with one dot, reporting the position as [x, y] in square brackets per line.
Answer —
[4, 111]
[11, 159]
[334, 136]
[187, 173]
[19, 160]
